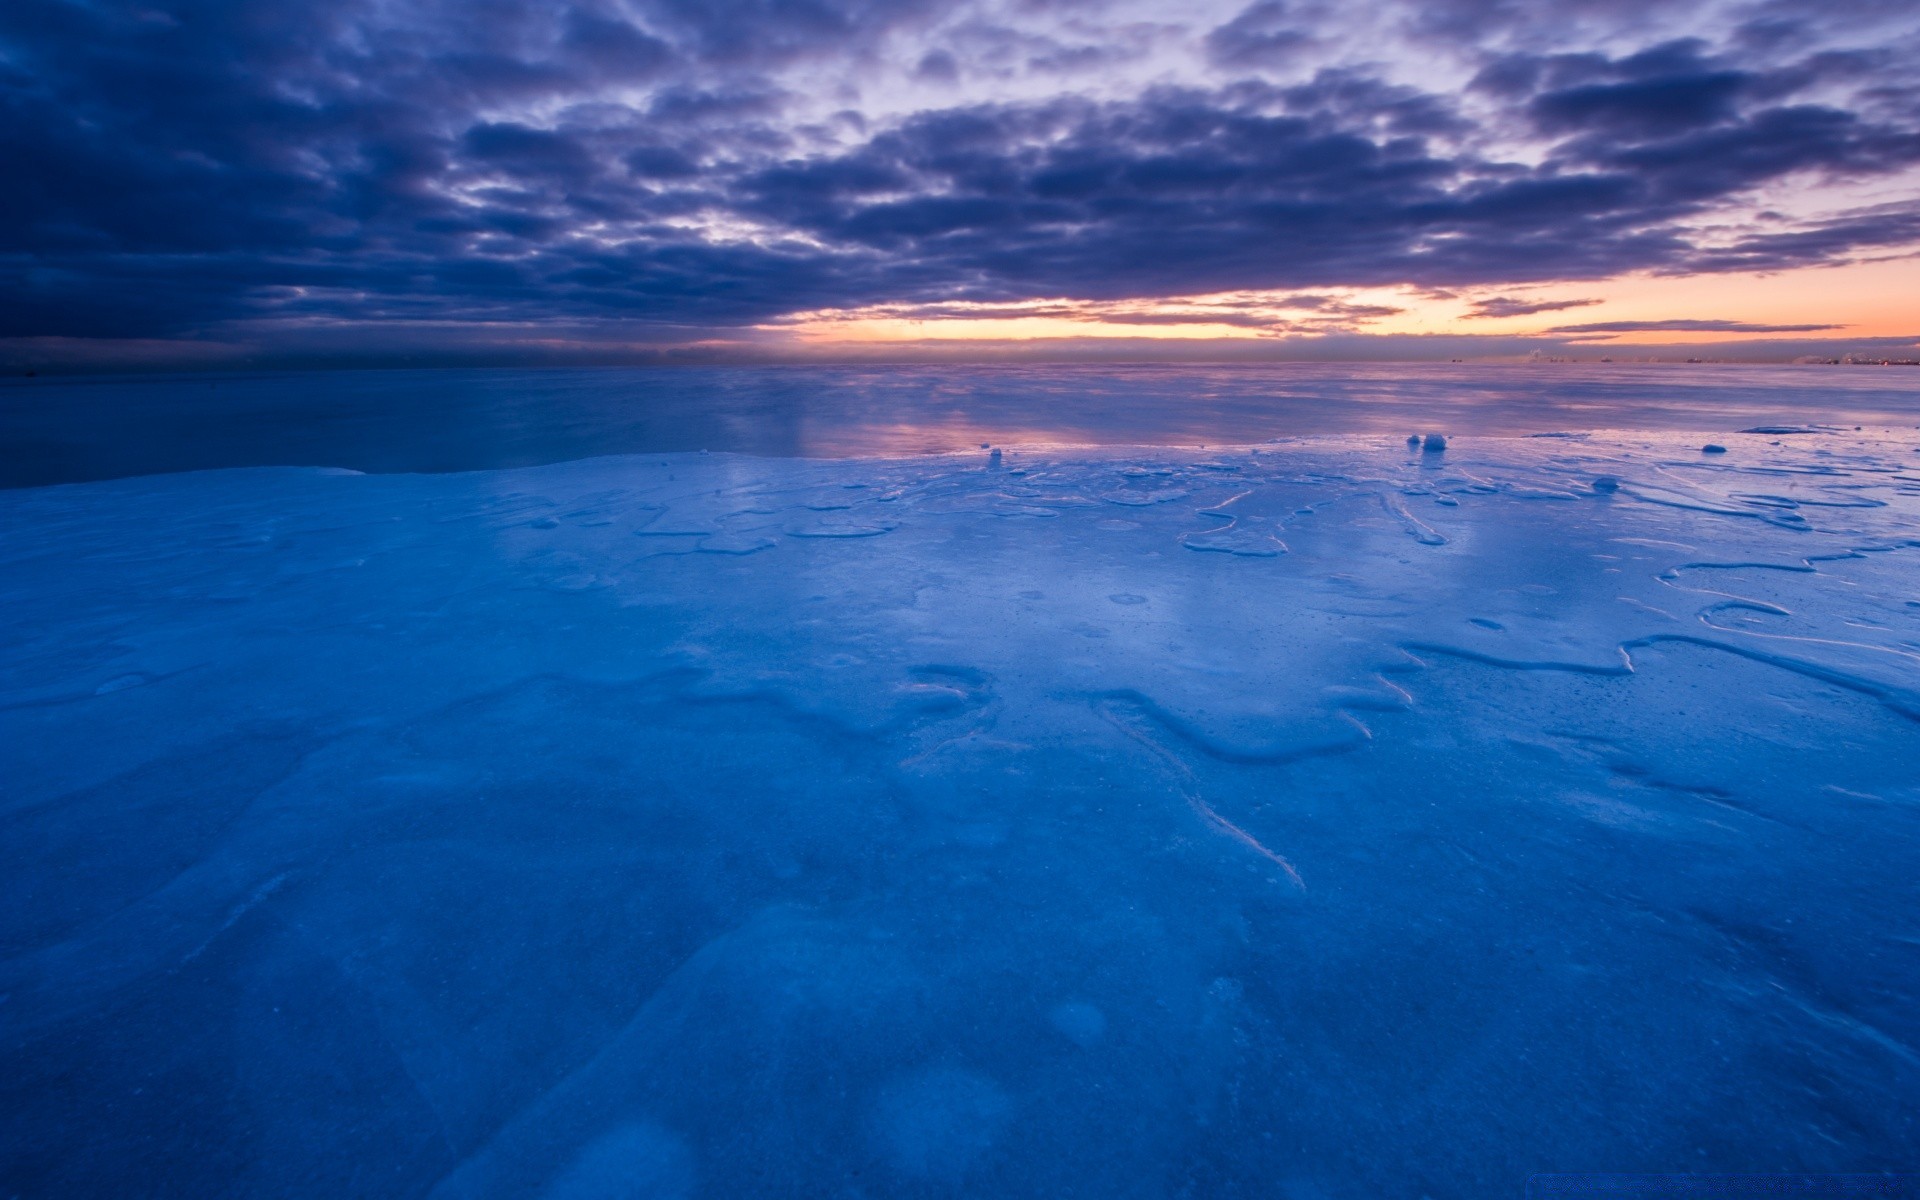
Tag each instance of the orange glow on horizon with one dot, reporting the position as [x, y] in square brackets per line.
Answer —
[1872, 299]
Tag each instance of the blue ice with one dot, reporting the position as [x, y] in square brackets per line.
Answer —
[681, 825]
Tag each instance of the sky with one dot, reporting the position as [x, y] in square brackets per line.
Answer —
[193, 182]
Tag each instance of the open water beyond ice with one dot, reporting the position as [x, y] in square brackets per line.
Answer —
[1336, 818]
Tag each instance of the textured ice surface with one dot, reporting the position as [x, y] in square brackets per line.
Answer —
[1323, 819]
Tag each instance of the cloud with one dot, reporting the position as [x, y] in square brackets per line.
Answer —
[1264, 34]
[938, 65]
[185, 167]
[1686, 326]
[1663, 105]
[1520, 306]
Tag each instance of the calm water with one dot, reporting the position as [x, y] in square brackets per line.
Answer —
[72, 429]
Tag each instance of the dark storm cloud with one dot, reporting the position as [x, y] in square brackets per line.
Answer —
[177, 166]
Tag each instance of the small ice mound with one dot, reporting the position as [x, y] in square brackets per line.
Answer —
[1605, 484]
[1433, 443]
[640, 1161]
[1127, 598]
[935, 1125]
[993, 460]
[1713, 448]
[1079, 1022]
[1413, 440]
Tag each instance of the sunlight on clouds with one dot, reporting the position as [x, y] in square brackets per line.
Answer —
[1270, 175]
[1218, 315]
[1866, 299]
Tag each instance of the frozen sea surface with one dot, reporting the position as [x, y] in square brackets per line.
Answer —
[1311, 820]
[69, 429]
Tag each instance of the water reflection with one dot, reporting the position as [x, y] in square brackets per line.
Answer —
[69, 429]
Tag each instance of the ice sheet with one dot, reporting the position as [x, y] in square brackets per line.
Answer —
[1314, 819]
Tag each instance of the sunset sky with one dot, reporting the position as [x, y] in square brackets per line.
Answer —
[200, 181]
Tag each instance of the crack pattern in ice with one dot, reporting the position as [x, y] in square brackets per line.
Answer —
[707, 825]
